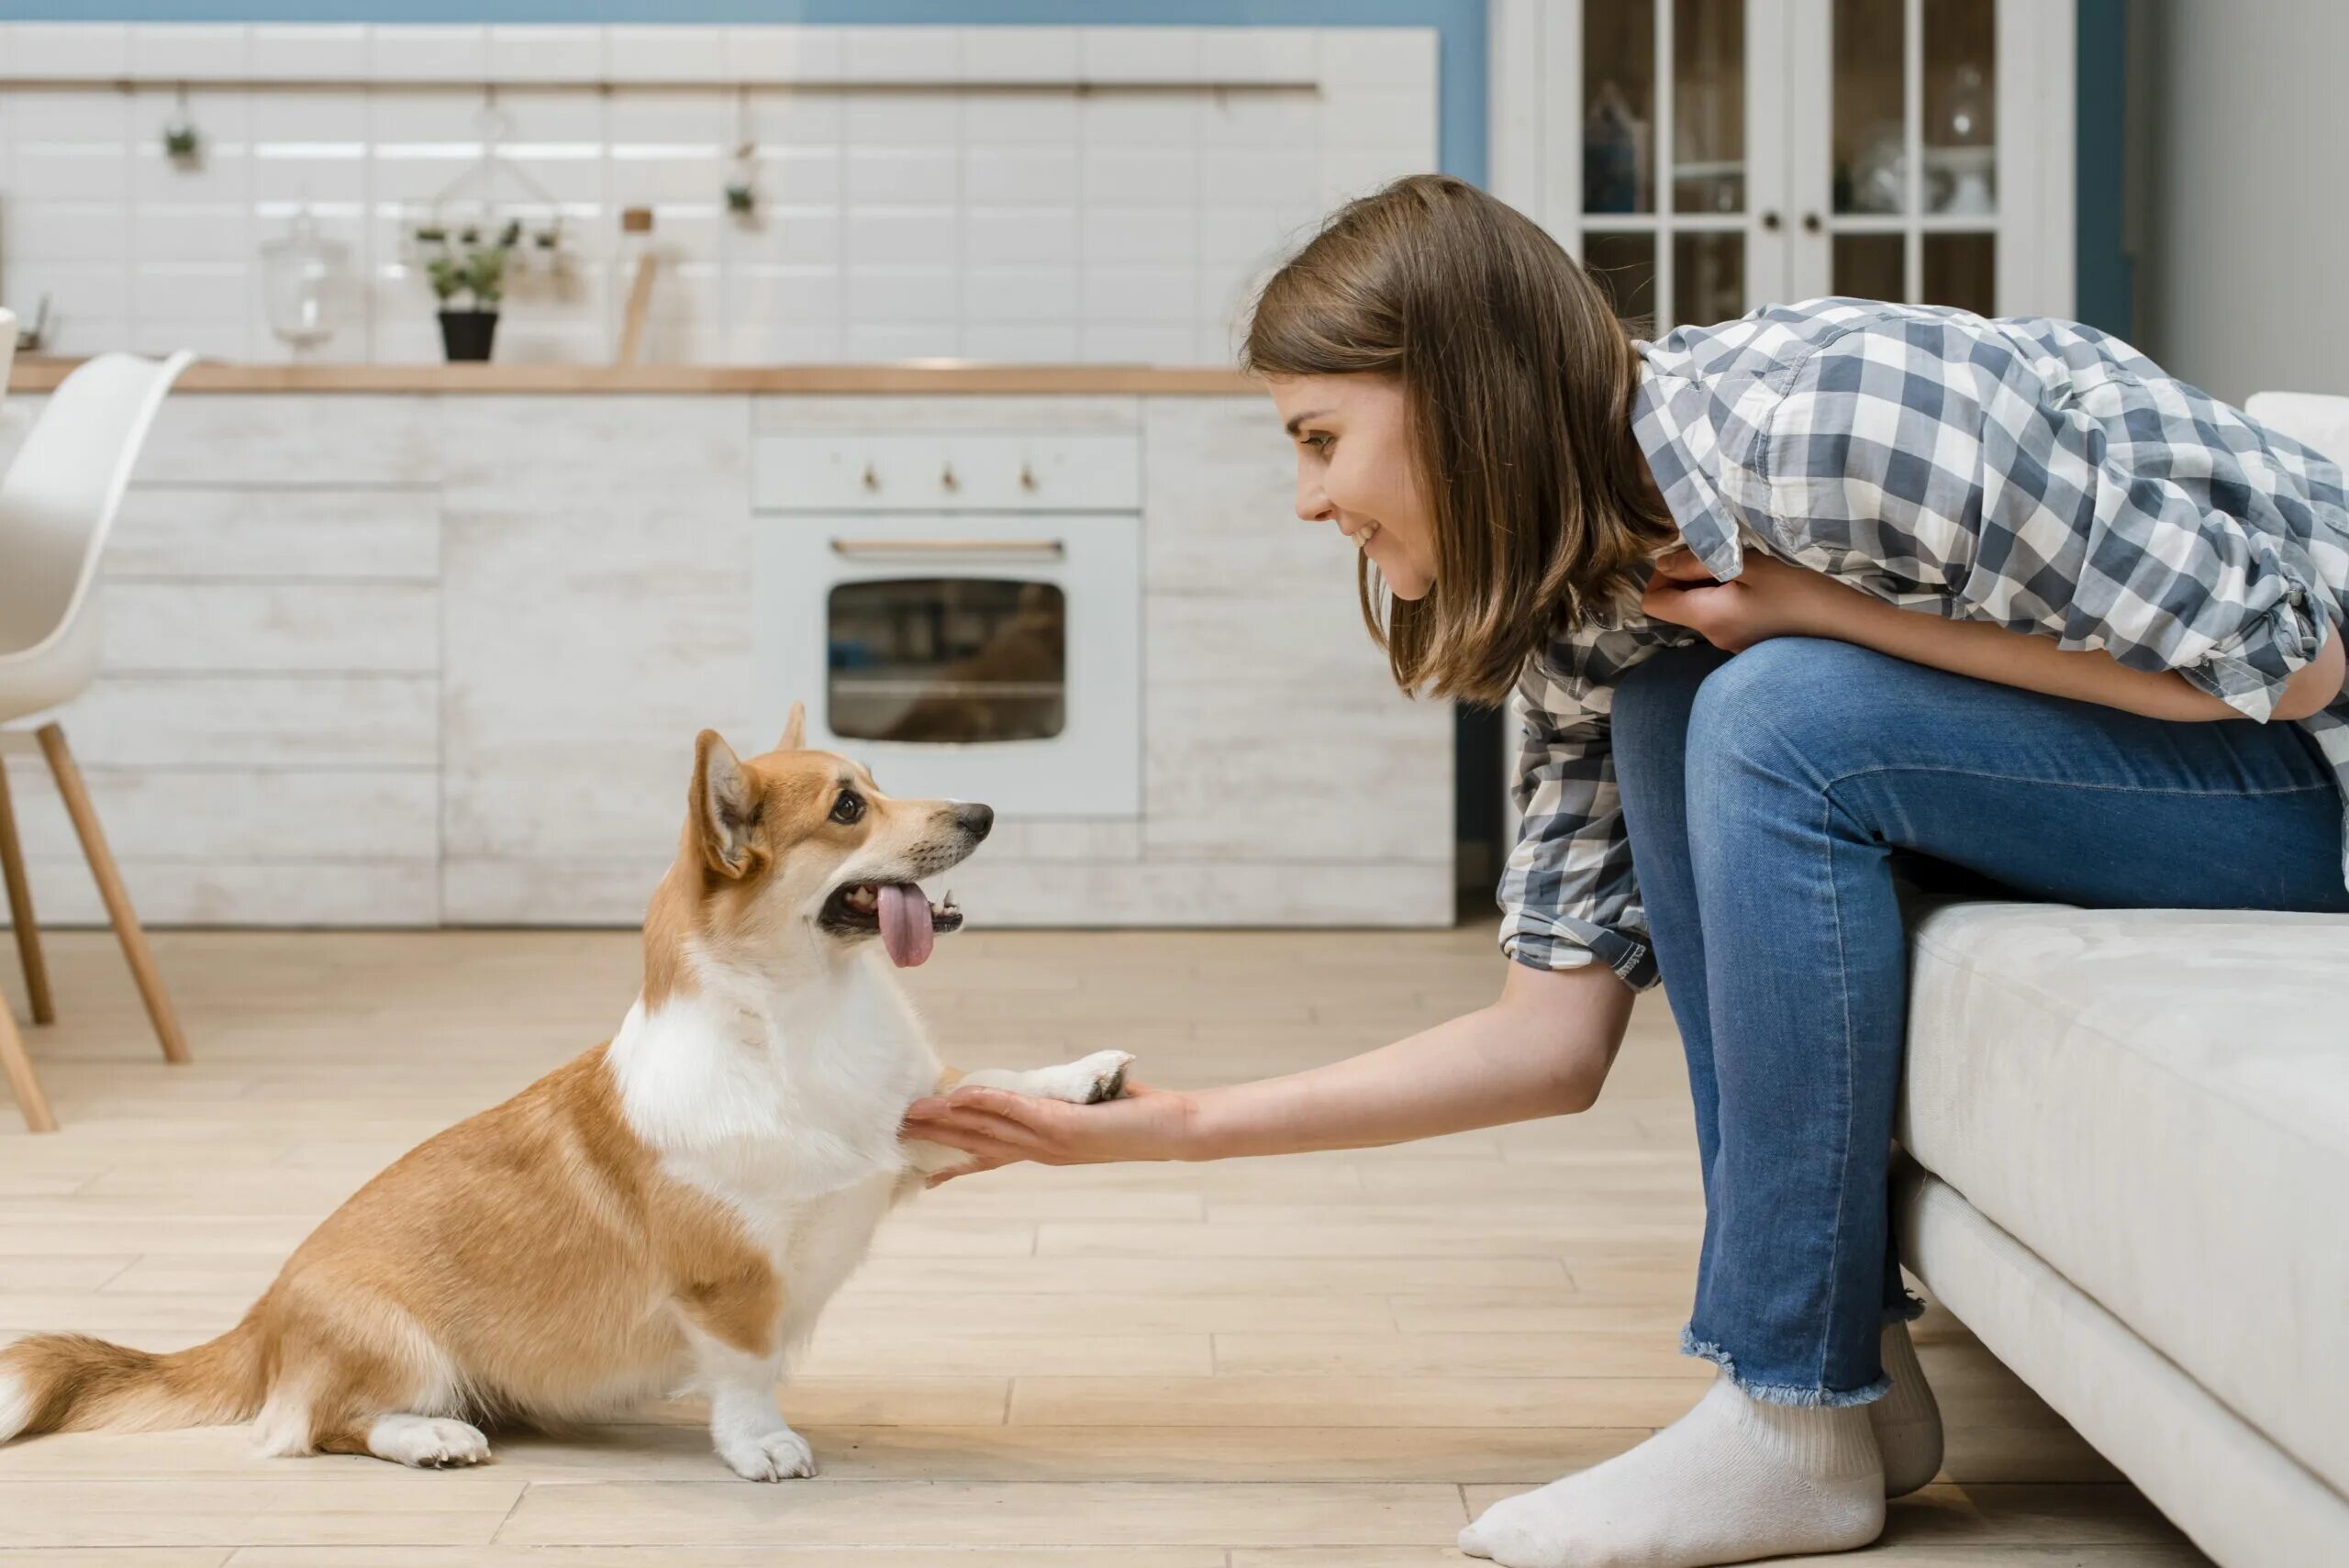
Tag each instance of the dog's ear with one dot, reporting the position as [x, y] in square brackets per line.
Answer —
[795, 729]
[725, 811]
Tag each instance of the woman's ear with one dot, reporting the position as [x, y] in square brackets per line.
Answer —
[725, 814]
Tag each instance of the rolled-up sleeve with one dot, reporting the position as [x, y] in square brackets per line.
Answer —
[2163, 534]
[1568, 896]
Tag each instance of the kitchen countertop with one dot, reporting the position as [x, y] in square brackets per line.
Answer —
[40, 373]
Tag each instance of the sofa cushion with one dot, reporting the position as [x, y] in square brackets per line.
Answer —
[2156, 1103]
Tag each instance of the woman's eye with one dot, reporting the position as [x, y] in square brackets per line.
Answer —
[1319, 443]
[848, 808]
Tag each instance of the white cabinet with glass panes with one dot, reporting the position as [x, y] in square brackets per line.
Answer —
[1704, 157]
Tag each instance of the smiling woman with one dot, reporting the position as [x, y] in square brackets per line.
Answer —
[1785, 605]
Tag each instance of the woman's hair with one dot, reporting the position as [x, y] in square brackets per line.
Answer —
[1518, 380]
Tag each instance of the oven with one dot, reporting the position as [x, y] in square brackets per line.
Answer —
[960, 614]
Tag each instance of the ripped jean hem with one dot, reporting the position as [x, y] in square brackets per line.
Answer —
[1781, 1393]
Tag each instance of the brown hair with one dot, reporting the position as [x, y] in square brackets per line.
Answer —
[1517, 379]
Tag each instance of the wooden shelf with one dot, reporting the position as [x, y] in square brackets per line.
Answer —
[42, 373]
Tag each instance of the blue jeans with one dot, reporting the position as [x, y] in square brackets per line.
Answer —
[1769, 799]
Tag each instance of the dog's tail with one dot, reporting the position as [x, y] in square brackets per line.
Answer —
[66, 1383]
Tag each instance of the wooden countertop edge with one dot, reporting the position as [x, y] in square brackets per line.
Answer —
[42, 374]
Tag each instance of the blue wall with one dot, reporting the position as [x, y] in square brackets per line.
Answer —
[1459, 25]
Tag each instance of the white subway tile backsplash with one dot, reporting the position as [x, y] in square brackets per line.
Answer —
[930, 56]
[403, 51]
[1149, 235]
[1029, 294]
[1035, 343]
[903, 174]
[879, 294]
[1161, 176]
[762, 294]
[899, 213]
[1161, 295]
[907, 119]
[70, 116]
[545, 53]
[785, 54]
[195, 52]
[70, 51]
[680, 52]
[1044, 116]
[1138, 54]
[69, 173]
[190, 290]
[1125, 344]
[881, 343]
[308, 52]
[900, 235]
[1000, 236]
[1259, 54]
[1010, 53]
[1014, 175]
[41, 231]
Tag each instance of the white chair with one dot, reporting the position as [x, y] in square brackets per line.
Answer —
[57, 503]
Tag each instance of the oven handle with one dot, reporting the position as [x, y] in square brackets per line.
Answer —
[1048, 548]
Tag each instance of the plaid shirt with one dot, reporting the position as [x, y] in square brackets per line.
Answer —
[2034, 473]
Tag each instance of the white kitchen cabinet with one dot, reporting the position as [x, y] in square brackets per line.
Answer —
[1705, 157]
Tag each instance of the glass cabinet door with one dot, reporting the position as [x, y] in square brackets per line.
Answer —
[1672, 171]
[1905, 146]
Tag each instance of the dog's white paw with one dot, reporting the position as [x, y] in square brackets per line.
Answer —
[775, 1456]
[428, 1443]
[1087, 1081]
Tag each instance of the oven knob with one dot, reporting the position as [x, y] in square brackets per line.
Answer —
[872, 480]
[1027, 476]
[946, 478]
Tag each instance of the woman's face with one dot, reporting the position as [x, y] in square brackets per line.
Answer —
[1356, 467]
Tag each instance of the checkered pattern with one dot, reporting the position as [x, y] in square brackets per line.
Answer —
[2034, 473]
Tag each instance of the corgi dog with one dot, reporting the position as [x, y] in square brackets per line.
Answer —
[672, 1209]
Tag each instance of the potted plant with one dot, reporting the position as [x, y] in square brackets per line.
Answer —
[473, 266]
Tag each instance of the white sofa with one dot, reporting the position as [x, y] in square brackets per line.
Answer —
[2130, 1137]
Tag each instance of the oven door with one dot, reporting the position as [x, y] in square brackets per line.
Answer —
[993, 658]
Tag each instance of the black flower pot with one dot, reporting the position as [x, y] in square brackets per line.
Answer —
[467, 334]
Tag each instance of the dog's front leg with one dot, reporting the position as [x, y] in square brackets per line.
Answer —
[1087, 1081]
[746, 1424]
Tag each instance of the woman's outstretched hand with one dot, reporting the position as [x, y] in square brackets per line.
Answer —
[996, 1127]
[1769, 599]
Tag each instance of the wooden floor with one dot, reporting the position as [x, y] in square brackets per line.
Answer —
[1320, 1362]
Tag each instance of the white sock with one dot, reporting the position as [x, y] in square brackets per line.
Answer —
[1907, 1421]
[1732, 1480]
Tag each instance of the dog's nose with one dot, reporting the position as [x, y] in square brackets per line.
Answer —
[975, 821]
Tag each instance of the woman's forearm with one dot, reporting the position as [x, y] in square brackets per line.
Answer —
[1542, 1050]
[2035, 663]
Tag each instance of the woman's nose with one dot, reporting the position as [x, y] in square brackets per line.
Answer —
[1312, 505]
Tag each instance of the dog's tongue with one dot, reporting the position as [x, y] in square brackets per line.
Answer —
[905, 924]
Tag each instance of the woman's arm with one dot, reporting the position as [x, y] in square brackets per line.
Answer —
[1773, 599]
[1542, 1049]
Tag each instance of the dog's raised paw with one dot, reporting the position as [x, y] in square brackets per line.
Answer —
[777, 1456]
[1103, 1075]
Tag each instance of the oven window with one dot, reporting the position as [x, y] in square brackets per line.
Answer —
[947, 659]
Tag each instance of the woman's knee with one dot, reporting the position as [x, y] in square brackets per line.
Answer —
[1793, 709]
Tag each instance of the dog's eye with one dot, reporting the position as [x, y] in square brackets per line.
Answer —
[848, 808]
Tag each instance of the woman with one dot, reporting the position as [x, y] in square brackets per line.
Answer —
[1781, 601]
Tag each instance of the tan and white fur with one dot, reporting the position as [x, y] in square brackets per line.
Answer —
[669, 1210]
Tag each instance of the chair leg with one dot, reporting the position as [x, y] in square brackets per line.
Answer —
[20, 909]
[30, 1100]
[118, 898]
